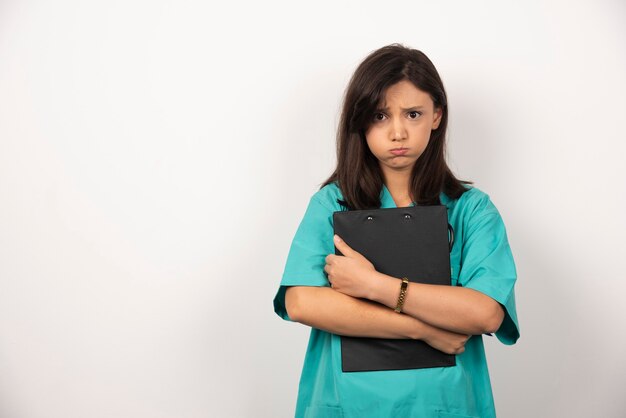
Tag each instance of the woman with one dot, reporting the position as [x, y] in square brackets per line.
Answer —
[391, 144]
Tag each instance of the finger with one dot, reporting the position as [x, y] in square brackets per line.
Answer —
[343, 246]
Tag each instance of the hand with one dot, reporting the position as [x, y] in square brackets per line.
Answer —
[443, 340]
[350, 273]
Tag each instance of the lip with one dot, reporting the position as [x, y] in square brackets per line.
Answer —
[399, 151]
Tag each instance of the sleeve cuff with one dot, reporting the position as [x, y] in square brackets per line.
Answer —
[508, 333]
[279, 299]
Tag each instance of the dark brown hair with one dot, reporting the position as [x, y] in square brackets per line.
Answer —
[358, 173]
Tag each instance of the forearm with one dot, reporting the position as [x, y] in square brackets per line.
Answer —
[456, 309]
[332, 311]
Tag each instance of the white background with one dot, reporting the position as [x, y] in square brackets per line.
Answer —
[156, 158]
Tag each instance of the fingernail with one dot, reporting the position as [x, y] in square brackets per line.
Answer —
[337, 239]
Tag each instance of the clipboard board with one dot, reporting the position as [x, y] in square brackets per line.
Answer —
[413, 242]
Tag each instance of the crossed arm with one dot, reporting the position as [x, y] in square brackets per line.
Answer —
[443, 316]
[332, 311]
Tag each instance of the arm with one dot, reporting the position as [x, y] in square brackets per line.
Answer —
[456, 309]
[332, 311]
[453, 308]
[487, 273]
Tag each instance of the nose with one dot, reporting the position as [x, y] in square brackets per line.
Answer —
[398, 130]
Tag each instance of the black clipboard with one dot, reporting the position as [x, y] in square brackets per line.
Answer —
[413, 242]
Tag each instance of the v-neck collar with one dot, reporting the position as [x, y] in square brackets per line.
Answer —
[386, 200]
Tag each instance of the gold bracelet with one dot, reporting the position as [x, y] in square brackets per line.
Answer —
[402, 295]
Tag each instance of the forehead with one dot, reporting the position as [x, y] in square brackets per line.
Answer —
[405, 94]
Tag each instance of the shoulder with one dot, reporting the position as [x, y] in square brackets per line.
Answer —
[473, 199]
[473, 202]
[328, 197]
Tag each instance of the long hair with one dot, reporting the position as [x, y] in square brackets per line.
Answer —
[358, 172]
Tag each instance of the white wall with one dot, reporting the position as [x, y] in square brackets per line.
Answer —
[156, 158]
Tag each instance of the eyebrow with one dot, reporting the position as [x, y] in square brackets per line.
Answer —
[386, 109]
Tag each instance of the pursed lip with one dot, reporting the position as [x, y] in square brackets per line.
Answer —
[399, 151]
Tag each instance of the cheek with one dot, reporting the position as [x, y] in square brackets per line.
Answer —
[374, 142]
[422, 131]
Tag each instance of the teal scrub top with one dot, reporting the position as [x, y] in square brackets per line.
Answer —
[481, 259]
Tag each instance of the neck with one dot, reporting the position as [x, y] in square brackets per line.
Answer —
[398, 186]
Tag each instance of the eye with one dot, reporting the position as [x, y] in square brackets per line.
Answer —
[378, 116]
[414, 114]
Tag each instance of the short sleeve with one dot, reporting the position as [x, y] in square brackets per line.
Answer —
[487, 265]
[311, 244]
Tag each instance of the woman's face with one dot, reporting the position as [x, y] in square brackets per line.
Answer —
[403, 121]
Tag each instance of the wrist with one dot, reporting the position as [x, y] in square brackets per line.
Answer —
[384, 289]
[410, 328]
[423, 331]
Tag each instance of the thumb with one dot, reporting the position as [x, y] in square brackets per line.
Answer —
[343, 246]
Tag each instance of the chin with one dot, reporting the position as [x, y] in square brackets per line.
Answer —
[401, 164]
